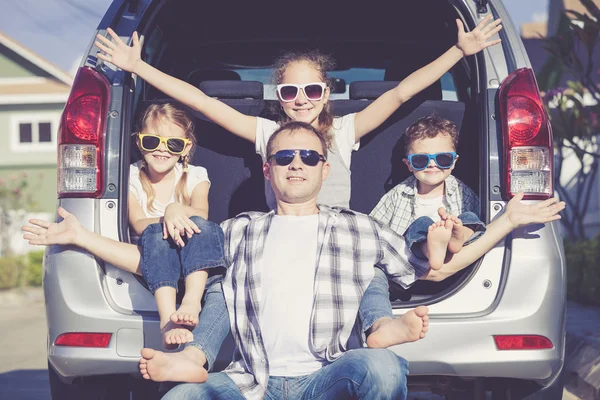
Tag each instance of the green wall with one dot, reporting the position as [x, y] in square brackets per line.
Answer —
[14, 66]
[41, 185]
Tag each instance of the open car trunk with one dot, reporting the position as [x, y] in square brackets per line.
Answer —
[206, 43]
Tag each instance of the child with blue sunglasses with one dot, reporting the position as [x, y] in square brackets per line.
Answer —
[432, 206]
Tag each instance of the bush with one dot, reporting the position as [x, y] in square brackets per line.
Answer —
[583, 270]
[17, 271]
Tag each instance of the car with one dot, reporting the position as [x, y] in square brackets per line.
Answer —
[497, 326]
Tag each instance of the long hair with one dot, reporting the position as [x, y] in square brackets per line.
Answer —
[179, 117]
[322, 63]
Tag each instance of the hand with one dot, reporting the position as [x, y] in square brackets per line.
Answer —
[176, 223]
[477, 40]
[46, 233]
[117, 52]
[520, 214]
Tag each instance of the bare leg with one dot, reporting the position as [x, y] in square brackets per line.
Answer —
[188, 311]
[437, 243]
[173, 334]
[184, 366]
[411, 327]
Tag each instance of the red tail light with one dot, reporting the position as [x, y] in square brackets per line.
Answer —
[80, 339]
[527, 137]
[522, 342]
[81, 136]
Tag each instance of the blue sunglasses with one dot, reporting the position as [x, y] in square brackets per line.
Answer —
[420, 161]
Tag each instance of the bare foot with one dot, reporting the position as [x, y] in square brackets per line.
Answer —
[411, 327]
[437, 242]
[186, 314]
[174, 335]
[182, 366]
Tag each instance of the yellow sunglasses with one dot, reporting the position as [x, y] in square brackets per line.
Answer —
[150, 142]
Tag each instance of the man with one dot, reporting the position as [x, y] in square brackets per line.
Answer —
[294, 284]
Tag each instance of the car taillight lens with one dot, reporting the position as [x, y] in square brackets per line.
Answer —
[81, 136]
[527, 137]
[81, 339]
[522, 342]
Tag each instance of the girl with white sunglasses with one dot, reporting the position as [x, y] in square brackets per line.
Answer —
[303, 92]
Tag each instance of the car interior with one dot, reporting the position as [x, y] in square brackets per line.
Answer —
[208, 45]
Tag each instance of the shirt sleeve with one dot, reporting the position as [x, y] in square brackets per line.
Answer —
[196, 175]
[384, 210]
[345, 135]
[264, 130]
[134, 181]
[397, 261]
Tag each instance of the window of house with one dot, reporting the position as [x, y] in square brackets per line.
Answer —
[34, 132]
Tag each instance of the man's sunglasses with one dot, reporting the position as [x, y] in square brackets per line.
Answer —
[308, 157]
[289, 92]
[174, 145]
[420, 161]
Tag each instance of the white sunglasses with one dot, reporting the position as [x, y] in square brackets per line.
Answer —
[289, 92]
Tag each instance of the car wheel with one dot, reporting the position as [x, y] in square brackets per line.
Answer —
[92, 388]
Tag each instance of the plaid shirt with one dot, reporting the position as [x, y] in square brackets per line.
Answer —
[396, 208]
[349, 244]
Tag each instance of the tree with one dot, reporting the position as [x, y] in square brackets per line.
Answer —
[574, 109]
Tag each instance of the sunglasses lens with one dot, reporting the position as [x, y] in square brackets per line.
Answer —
[419, 161]
[444, 160]
[284, 157]
[310, 157]
[175, 145]
[313, 92]
[150, 142]
[288, 92]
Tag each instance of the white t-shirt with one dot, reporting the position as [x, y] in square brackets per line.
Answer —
[428, 207]
[287, 294]
[195, 176]
[336, 189]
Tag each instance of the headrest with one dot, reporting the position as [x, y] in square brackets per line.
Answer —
[233, 89]
[199, 75]
[370, 90]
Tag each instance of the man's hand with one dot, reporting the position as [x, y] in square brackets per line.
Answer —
[46, 233]
[477, 40]
[176, 224]
[117, 52]
[520, 214]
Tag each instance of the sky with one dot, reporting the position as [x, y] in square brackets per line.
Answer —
[61, 30]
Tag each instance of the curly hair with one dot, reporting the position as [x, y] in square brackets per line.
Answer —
[429, 127]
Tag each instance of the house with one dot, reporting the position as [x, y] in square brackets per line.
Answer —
[33, 93]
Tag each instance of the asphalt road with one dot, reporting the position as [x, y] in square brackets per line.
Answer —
[23, 368]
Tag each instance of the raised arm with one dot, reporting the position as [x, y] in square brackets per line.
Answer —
[128, 58]
[70, 232]
[515, 215]
[468, 43]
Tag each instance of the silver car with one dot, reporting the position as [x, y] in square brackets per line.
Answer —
[497, 326]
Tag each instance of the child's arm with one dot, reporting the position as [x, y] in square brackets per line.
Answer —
[70, 232]
[177, 216]
[137, 219]
[129, 59]
[516, 214]
[468, 43]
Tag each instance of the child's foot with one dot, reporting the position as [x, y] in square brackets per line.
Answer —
[459, 235]
[174, 335]
[186, 314]
[173, 367]
[411, 327]
[437, 242]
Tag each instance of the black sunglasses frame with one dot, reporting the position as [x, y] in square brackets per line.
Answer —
[285, 157]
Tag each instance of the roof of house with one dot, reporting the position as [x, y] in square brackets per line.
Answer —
[51, 88]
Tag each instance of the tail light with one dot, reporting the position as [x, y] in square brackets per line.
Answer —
[81, 136]
[527, 137]
[80, 339]
[522, 342]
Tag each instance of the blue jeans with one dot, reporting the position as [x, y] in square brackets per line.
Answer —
[163, 263]
[416, 232]
[359, 374]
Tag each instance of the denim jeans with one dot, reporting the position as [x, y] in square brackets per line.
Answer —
[416, 232]
[359, 374]
[163, 263]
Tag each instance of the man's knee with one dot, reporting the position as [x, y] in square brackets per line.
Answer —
[384, 371]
